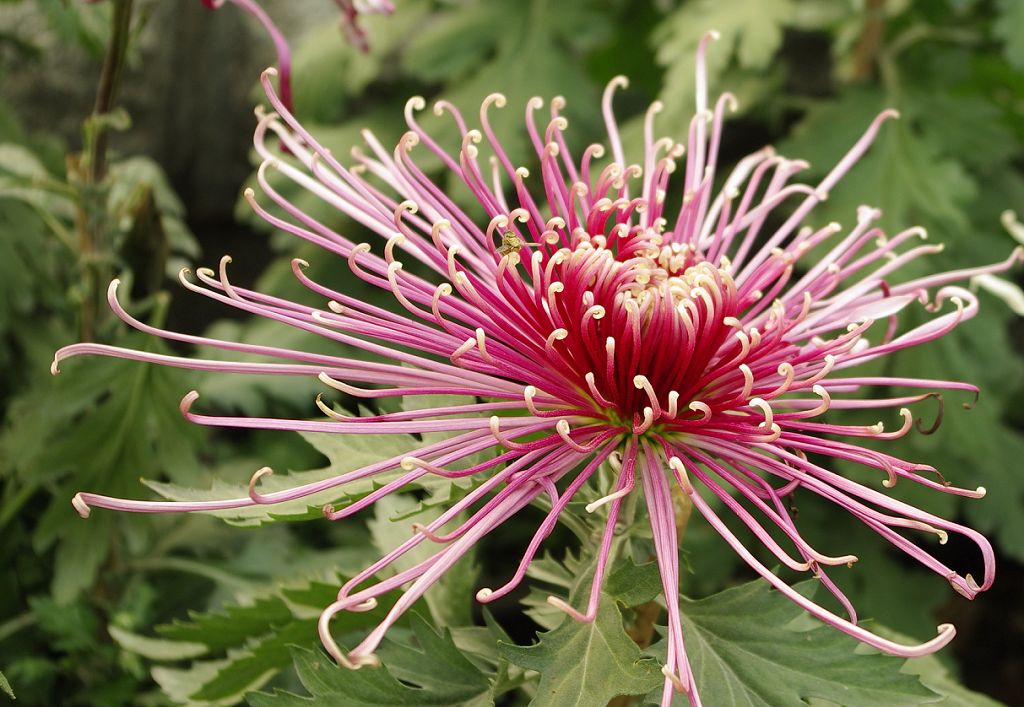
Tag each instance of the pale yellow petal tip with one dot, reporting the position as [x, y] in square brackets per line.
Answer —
[81, 506]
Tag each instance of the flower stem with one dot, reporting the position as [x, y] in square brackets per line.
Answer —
[870, 39]
[91, 169]
[106, 93]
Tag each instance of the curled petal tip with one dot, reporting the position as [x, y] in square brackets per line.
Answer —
[269, 71]
[186, 402]
[887, 114]
[713, 34]
[497, 99]
[369, 660]
[368, 605]
[1012, 225]
[255, 495]
[484, 594]
[677, 465]
[81, 506]
[673, 678]
[54, 368]
[416, 103]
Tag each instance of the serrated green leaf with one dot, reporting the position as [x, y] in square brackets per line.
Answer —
[449, 599]
[937, 678]
[314, 594]
[634, 584]
[905, 174]
[435, 663]
[437, 675]
[51, 438]
[751, 30]
[249, 668]
[345, 453]
[743, 650]
[231, 626]
[180, 684]
[243, 644]
[587, 664]
[561, 575]
[70, 627]
[5, 687]
[933, 674]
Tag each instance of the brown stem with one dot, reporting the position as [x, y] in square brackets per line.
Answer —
[110, 81]
[683, 508]
[642, 630]
[91, 169]
[870, 39]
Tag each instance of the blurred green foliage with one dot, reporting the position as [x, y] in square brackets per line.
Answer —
[128, 610]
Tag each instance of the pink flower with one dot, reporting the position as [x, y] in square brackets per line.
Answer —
[351, 10]
[599, 321]
[284, 54]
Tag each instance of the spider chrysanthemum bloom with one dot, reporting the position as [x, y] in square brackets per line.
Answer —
[679, 342]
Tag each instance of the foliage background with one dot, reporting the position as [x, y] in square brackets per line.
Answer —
[79, 600]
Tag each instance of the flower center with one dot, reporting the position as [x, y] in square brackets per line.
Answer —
[639, 325]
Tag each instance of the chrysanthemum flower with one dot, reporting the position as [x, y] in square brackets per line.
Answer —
[684, 342]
